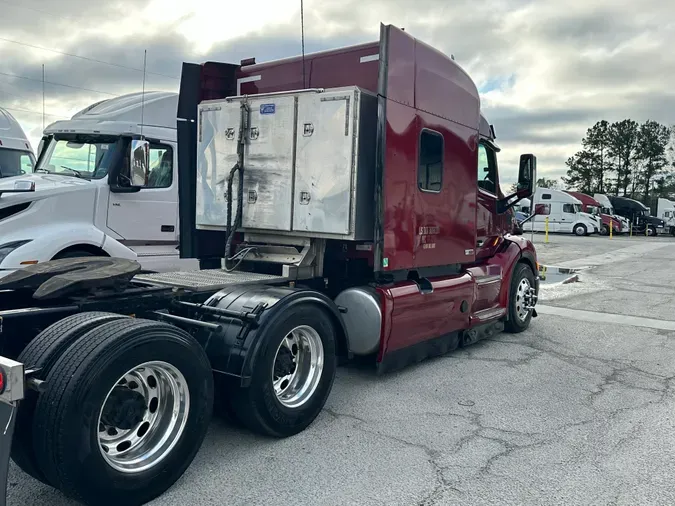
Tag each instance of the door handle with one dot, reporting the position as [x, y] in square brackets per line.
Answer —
[168, 228]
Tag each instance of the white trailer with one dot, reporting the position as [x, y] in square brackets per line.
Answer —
[665, 210]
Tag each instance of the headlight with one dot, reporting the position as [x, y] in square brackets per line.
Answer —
[7, 248]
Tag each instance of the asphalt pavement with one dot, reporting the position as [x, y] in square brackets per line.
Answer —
[576, 410]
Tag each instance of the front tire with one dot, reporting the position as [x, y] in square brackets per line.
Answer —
[604, 230]
[292, 376]
[126, 411]
[518, 317]
[580, 229]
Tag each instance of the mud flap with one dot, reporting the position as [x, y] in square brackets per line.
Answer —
[7, 423]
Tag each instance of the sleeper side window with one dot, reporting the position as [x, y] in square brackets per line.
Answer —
[430, 165]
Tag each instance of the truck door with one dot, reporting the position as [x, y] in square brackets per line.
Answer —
[486, 201]
[568, 217]
[150, 216]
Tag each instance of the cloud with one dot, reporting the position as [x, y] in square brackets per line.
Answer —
[546, 70]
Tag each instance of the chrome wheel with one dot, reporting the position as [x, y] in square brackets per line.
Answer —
[143, 417]
[522, 294]
[297, 367]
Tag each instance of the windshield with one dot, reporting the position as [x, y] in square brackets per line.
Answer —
[89, 158]
[15, 162]
[607, 210]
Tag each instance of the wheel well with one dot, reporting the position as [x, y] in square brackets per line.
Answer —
[340, 333]
[94, 250]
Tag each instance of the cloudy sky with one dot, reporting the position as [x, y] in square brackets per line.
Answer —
[547, 70]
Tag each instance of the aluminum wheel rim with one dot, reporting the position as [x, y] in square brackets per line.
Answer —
[297, 366]
[149, 441]
[521, 292]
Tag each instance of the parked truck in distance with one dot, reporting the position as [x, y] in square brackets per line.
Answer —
[564, 214]
[591, 206]
[638, 214]
[354, 210]
[16, 153]
[665, 210]
[81, 204]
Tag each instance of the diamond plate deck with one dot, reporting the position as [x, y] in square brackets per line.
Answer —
[207, 279]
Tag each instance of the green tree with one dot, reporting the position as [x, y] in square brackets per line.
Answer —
[580, 171]
[544, 182]
[623, 143]
[653, 140]
[596, 143]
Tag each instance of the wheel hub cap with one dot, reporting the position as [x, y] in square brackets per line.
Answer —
[298, 366]
[143, 417]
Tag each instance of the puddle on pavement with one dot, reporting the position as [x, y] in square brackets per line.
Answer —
[555, 277]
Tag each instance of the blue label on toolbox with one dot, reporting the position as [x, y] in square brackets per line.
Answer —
[267, 109]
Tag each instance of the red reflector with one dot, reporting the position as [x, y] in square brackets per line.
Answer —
[2, 380]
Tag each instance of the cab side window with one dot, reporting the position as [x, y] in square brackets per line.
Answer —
[430, 164]
[160, 169]
[568, 208]
[161, 166]
[487, 169]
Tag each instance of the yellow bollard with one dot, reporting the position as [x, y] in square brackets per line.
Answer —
[646, 229]
[546, 229]
[611, 226]
[631, 229]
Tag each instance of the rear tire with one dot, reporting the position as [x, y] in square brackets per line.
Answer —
[265, 410]
[580, 229]
[90, 466]
[518, 319]
[42, 353]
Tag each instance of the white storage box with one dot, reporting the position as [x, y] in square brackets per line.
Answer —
[309, 164]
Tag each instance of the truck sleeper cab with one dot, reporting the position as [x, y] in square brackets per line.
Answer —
[564, 213]
[591, 206]
[639, 215]
[353, 210]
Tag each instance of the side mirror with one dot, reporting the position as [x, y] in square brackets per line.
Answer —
[139, 162]
[527, 176]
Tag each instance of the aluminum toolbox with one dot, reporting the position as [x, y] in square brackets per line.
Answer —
[308, 164]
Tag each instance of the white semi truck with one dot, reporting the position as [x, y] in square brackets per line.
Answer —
[81, 206]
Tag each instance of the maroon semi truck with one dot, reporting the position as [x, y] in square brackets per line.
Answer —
[590, 205]
[341, 204]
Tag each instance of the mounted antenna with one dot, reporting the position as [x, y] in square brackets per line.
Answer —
[302, 28]
[145, 61]
[43, 97]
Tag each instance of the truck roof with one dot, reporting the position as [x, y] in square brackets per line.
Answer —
[12, 135]
[359, 65]
[585, 199]
[628, 202]
[123, 114]
[556, 195]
